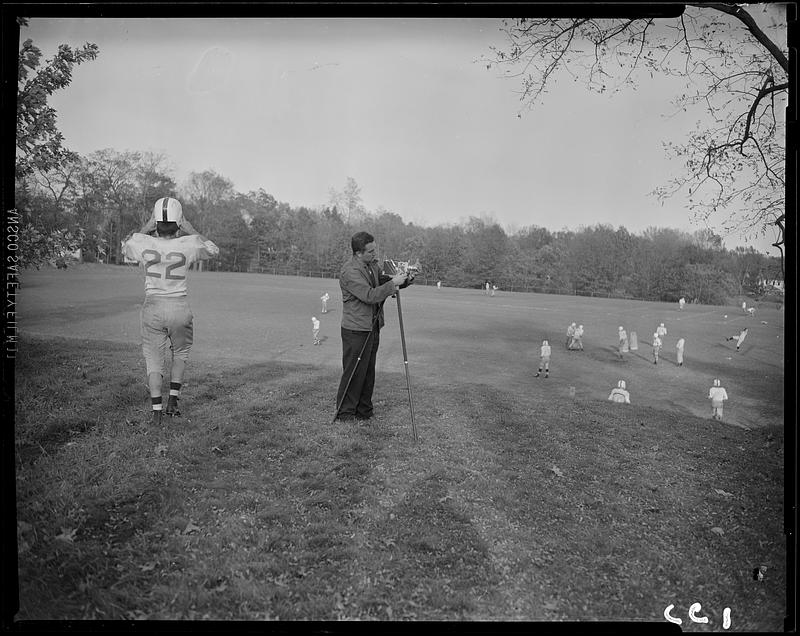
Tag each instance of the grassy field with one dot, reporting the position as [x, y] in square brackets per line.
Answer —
[519, 502]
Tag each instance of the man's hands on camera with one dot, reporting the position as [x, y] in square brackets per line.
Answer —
[400, 279]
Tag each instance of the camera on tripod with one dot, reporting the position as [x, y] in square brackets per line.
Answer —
[392, 267]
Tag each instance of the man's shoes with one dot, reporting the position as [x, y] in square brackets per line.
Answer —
[359, 416]
[346, 417]
[156, 418]
[547, 375]
[536, 376]
[172, 407]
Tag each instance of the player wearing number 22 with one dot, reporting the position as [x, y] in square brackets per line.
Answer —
[166, 317]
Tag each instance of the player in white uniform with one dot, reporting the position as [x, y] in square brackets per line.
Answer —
[717, 395]
[166, 318]
[739, 339]
[570, 334]
[679, 346]
[656, 347]
[315, 329]
[661, 330]
[623, 341]
[577, 339]
[325, 298]
[544, 359]
[619, 394]
[681, 303]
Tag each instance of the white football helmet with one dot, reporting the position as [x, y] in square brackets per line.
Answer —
[716, 383]
[621, 384]
[168, 209]
[544, 342]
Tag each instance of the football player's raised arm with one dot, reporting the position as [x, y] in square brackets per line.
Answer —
[187, 227]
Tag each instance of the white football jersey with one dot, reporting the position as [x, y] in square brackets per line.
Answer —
[166, 260]
[620, 396]
[717, 394]
[546, 350]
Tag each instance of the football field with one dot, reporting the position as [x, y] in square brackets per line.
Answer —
[453, 337]
[519, 501]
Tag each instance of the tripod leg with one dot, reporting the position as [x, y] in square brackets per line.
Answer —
[405, 364]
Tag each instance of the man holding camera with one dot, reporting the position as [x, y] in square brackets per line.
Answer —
[364, 290]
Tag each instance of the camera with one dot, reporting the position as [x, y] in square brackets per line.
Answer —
[392, 267]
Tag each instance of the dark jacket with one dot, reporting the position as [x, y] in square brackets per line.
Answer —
[360, 300]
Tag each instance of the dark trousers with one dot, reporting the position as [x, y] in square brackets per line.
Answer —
[358, 400]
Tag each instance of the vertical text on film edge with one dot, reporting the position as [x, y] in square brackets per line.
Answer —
[12, 282]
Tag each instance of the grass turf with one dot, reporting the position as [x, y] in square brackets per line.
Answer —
[253, 506]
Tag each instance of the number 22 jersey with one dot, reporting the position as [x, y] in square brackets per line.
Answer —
[165, 260]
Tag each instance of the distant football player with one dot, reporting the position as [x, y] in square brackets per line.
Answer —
[544, 359]
[739, 339]
[325, 298]
[623, 341]
[679, 349]
[744, 306]
[166, 318]
[315, 329]
[656, 347]
[717, 395]
[661, 330]
[570, 334]
[577, 339]
[681, 303]
[619, 394]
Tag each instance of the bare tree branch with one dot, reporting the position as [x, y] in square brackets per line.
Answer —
[739, 13]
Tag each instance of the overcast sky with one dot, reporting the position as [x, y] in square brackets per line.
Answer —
[404, 106]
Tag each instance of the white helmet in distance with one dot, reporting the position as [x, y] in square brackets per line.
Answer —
[620, 328]
[621, 384]
[168, 209]
[545, 343]
[716, 382]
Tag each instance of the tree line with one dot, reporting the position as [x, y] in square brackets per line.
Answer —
[68, 202]
[92, 202]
